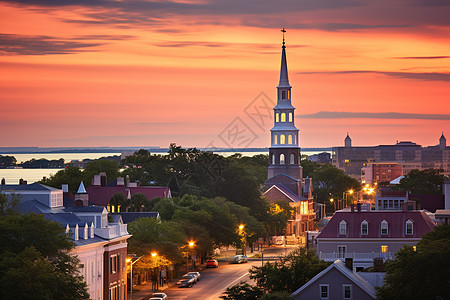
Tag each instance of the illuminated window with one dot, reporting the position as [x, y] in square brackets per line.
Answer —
[346, 161]
[384, 249]
[292, 158]
[290, 117]
[283, 94]
[409, 227]
[283, 117]
[277, 117]
[275, 139]
[414, 248]
[289, 94]
[384, 227]
[304, 208]
[281, 159]
[282, 139]
[290, 139]
[364, 227]
[343, 227]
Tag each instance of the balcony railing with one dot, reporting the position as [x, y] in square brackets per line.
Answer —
[356, 256]
[112, 231]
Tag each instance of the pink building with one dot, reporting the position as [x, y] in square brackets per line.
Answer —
[365, 235]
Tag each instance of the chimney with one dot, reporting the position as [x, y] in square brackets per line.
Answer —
[97, 180]
[358, 206]
[22, 182]
[103, 179]
[3, 181]
[349, 263]
[120, 181]
[65, 188]
[378, 264]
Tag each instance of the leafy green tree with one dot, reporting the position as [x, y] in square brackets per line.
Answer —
[118, 202]
[35, 262]
[290, 272]
[110, 167]
[8, 204]
[277, 296]
[7, 161]
[242, 291]
[71, 175]
[309, 167]
[420, 274]
[428, 181]
[138, 202]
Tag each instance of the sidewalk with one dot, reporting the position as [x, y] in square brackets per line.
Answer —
[144, 291]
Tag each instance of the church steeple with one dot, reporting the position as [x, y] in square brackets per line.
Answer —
[442, 142]
[284, 79]
[285, 150]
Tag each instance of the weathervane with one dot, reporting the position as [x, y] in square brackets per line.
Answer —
[283, 31]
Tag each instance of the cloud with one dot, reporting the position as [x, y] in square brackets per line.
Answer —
[369, 115]
[17, 44]
[407, 75]
[421, 57]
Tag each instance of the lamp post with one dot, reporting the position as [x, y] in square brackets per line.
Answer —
[128, 260]
[243, 238]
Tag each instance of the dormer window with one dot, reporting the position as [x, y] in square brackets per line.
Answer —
[384, 227]
[409, 227]
[343, 228]
[283, 94]
[364, 227]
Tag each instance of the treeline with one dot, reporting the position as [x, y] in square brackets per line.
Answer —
[7, 161]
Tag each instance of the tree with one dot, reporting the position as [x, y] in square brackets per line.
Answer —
[8, 204]
[423, 273]
[137, 202]
[110, 167]
[71, 175]
[35, 262]
[118, 202]
[7, 161]
[242, 291]
[428, 181]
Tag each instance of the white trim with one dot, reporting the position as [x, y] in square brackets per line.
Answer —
[351, 291]
[274, 186]
[320, 291]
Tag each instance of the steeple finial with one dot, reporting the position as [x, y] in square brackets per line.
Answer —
[283, 31]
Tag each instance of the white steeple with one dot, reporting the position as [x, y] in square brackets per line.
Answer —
[81, 189]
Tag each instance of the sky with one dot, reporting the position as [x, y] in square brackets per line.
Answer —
[203, 73]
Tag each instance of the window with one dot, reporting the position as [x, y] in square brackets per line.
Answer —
[409, 227]
[289, 94]
[384, 249]
[281, 159]
[290, 139]
[343, 228]
[292, 159]
[364, 227]
[273, 159]
[290, 117]
[324, 291]
[384, 227]
[342, 250]
[283, 117]
[113, 263]
[282, 139]
[283, 94]
[347, 291]
[275, 139]
[277, 117]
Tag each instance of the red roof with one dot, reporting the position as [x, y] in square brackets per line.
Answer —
[100, 195]
[422, 224]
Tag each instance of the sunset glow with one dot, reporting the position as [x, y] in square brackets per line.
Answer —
[150, 73]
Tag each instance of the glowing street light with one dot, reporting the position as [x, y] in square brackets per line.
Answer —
[154, 254]
[241, 227]
[128, 260]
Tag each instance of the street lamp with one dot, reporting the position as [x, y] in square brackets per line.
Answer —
[334, 204]
[128, 260]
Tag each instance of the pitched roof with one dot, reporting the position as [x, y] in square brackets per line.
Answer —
[340, 266]
[285, 191]
[396, 222]
[100, 195]
[27, 187]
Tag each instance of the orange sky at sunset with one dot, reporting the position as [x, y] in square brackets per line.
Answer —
[149, 73]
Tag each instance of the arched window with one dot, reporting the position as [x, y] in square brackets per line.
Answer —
[281, 159]
[282, 139]
[364, 227]
[275, 139]
[409, 227]
[292, 159]
[343, 227]
[290, 117]
[273, 159]
[283, 117]
[290, 139]
[384, 227]
[277, 117]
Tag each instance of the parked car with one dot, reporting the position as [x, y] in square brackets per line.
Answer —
[239, 259]
[186, 281]
[159, 296]
[212, 263]
[196, 274]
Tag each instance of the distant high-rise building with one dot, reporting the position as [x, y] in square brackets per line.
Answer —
[406, 154]
[285, 177]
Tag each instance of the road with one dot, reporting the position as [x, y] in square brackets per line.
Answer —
[215, 281]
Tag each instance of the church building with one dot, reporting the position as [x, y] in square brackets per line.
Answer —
[285, 176]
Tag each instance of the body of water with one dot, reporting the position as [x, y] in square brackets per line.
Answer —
[12, 176]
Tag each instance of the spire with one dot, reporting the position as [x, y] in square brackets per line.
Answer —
[442, 136]
[81, 189]
[284, 80]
